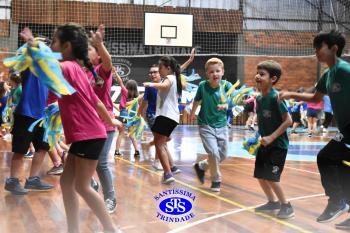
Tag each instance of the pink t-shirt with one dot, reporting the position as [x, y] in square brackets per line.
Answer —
[104, 92]
[317, 106]
[78, 111]
[124, 98]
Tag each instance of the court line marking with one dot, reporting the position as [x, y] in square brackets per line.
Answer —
[189, 225]
[302, 170]
[236, 204]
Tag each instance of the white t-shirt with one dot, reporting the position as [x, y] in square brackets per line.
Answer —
[167, 101]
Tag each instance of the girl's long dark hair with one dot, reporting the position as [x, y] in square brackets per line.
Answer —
[76, 35]
[175, 67]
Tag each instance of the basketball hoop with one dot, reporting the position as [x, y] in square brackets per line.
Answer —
[168, 41]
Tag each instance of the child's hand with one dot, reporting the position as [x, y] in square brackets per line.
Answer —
[193, 52]
[97, 37]
[265, 141]
[117, 124]
[222, 107]
[193, 117]
[27, 36]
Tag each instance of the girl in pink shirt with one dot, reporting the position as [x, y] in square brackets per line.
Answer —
[313, 114]
[82, 125]
[102, 62]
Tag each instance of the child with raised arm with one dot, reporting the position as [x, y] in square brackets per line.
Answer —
[335, 82]
[273, 121]
[102, 62]
[212, 121]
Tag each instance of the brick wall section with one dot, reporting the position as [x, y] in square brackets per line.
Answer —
[278, 39]
[297, 72]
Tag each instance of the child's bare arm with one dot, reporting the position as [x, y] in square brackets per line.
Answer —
[118, 78]
[189, 61]
[165, 85]
[194, 108]
[309, 97]
[97, 40]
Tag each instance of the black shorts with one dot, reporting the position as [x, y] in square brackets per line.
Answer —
[22, 137]
[296, 117]
[164, 126]
[87, 149]
[269, 163]
[249, 107]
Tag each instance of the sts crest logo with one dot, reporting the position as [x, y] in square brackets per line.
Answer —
[175, 205]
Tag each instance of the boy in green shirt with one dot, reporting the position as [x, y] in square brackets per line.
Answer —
[212, 121]
[336, 83]
[273, 121]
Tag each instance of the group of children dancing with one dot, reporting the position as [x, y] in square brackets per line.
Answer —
[89, 124]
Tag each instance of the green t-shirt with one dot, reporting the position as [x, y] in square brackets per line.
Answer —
[336, 83]
[211, 98]
[15, 95]
[269, 112]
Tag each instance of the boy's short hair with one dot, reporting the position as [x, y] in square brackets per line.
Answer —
[15, 77]
[213, 61]
[272, 67]
[333, 37]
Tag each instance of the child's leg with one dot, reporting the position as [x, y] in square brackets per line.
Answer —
[83, 177]
[264, 184]
[277, 189]
[314, 124]
[211, 146]
[309, 124]
[70, 196]
[37, 162]
[55, 158]
[103, 170]
[170, 158]
[134, 143]
[119, 138]
[160, 144]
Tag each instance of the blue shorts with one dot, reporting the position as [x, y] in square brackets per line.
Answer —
[313, 112]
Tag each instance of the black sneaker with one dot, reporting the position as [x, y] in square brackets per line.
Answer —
[286, 211]
[344, 225]
[332, 211]
[215, 186]
[137, 154]
[34, 183]
[12, 185]
[94, 184]
[200, 173]
[29, 155]
[175, 170]
[117, 154]
[269, 206]
[111, 205]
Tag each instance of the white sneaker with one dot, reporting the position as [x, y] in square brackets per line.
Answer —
[157, 165]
